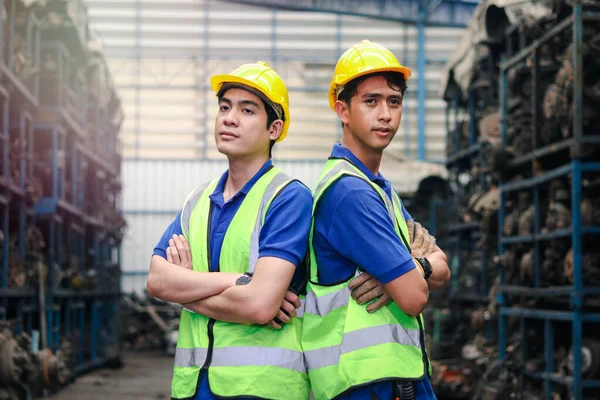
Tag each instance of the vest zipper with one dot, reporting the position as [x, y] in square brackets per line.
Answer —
[211, 342]
[211, 322]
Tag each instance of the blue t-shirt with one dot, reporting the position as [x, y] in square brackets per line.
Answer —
[352, 227]
[283, 235]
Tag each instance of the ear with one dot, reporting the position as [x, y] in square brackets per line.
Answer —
[275, 129]
[342, 110]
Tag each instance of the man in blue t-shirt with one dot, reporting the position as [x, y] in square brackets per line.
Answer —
[352, 226]
[253, 115]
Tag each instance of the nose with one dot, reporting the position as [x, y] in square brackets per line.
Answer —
[231, 118]
[384, 113]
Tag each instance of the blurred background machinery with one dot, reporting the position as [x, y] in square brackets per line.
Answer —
[60, 209]
[522, 149]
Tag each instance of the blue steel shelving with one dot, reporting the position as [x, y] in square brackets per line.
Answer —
[576, 312]
[80, 307]
[19, 99]
[46, 171]
[457, 236]
[462, 235]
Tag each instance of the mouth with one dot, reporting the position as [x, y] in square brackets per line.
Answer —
[382, 131]
[227, 135]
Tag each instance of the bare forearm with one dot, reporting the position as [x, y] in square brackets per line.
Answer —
[441, 272]
[236, 305]
[170, 282]
[409, 292]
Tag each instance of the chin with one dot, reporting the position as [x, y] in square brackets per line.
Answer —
[381, 145]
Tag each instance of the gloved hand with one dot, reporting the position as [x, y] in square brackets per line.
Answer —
[422, 243]
[364, 288]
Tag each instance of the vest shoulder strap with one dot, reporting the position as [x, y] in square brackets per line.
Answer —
[190, 203]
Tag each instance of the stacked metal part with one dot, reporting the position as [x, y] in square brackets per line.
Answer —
[522, 93]
[149, 323]
[60, 221]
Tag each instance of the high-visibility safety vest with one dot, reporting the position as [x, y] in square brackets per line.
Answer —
[344, 345]
[240, 360]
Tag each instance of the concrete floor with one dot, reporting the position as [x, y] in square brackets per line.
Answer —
[144, 376]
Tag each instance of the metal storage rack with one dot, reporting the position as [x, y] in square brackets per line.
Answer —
[19, 99]
[575, 168]
[67, 252]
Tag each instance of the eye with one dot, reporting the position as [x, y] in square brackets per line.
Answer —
[247, 111]
[395, 102]
[224, 107]
[370, 101]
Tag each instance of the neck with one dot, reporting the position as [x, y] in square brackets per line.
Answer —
[369, 157]
[240, 172]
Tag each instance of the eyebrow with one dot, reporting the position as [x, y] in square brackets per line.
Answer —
[242, 102]
[378, 96]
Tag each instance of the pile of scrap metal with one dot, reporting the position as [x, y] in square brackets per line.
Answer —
[25, 371]
[148, 323]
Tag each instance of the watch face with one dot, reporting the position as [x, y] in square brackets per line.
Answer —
[243, 280]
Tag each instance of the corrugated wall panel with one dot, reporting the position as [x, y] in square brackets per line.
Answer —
[158, 186]
[161, 54]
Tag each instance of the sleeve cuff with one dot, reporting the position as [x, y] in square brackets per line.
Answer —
[280, 254]
[397, 272]
[160, 252]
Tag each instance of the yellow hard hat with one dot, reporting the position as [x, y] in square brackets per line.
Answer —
[263, 78]
[361, 59]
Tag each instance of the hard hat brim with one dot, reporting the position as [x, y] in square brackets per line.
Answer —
[217, 81]
[332, 97]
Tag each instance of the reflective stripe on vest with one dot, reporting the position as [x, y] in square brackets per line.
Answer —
[344, 345]
[241, 356]
[244, 359]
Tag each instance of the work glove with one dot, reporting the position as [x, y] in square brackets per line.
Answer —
[422, 243]
[364, 288]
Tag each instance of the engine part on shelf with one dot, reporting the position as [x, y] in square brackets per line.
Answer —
[15, 361]
[57, 369]
[590, 211]
[489, 127]
[483, 207]
[479, 317]
[23, 372]
[558, 99]
[512, 221]
[148, 323]
[590, 358]
[554, 256]
[590, 261]
[459, 138]
[526, 267]
[526, 221]
[558, 216]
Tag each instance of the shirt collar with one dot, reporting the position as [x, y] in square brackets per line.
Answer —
[340, 151]
[218, 192]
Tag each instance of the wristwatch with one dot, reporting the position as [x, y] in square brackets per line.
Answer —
[244, 279]
[426, 265]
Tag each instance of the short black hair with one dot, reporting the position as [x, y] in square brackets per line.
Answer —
[395, 81]
[271, 114]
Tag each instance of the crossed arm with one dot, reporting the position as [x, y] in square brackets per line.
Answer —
[215, 294]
